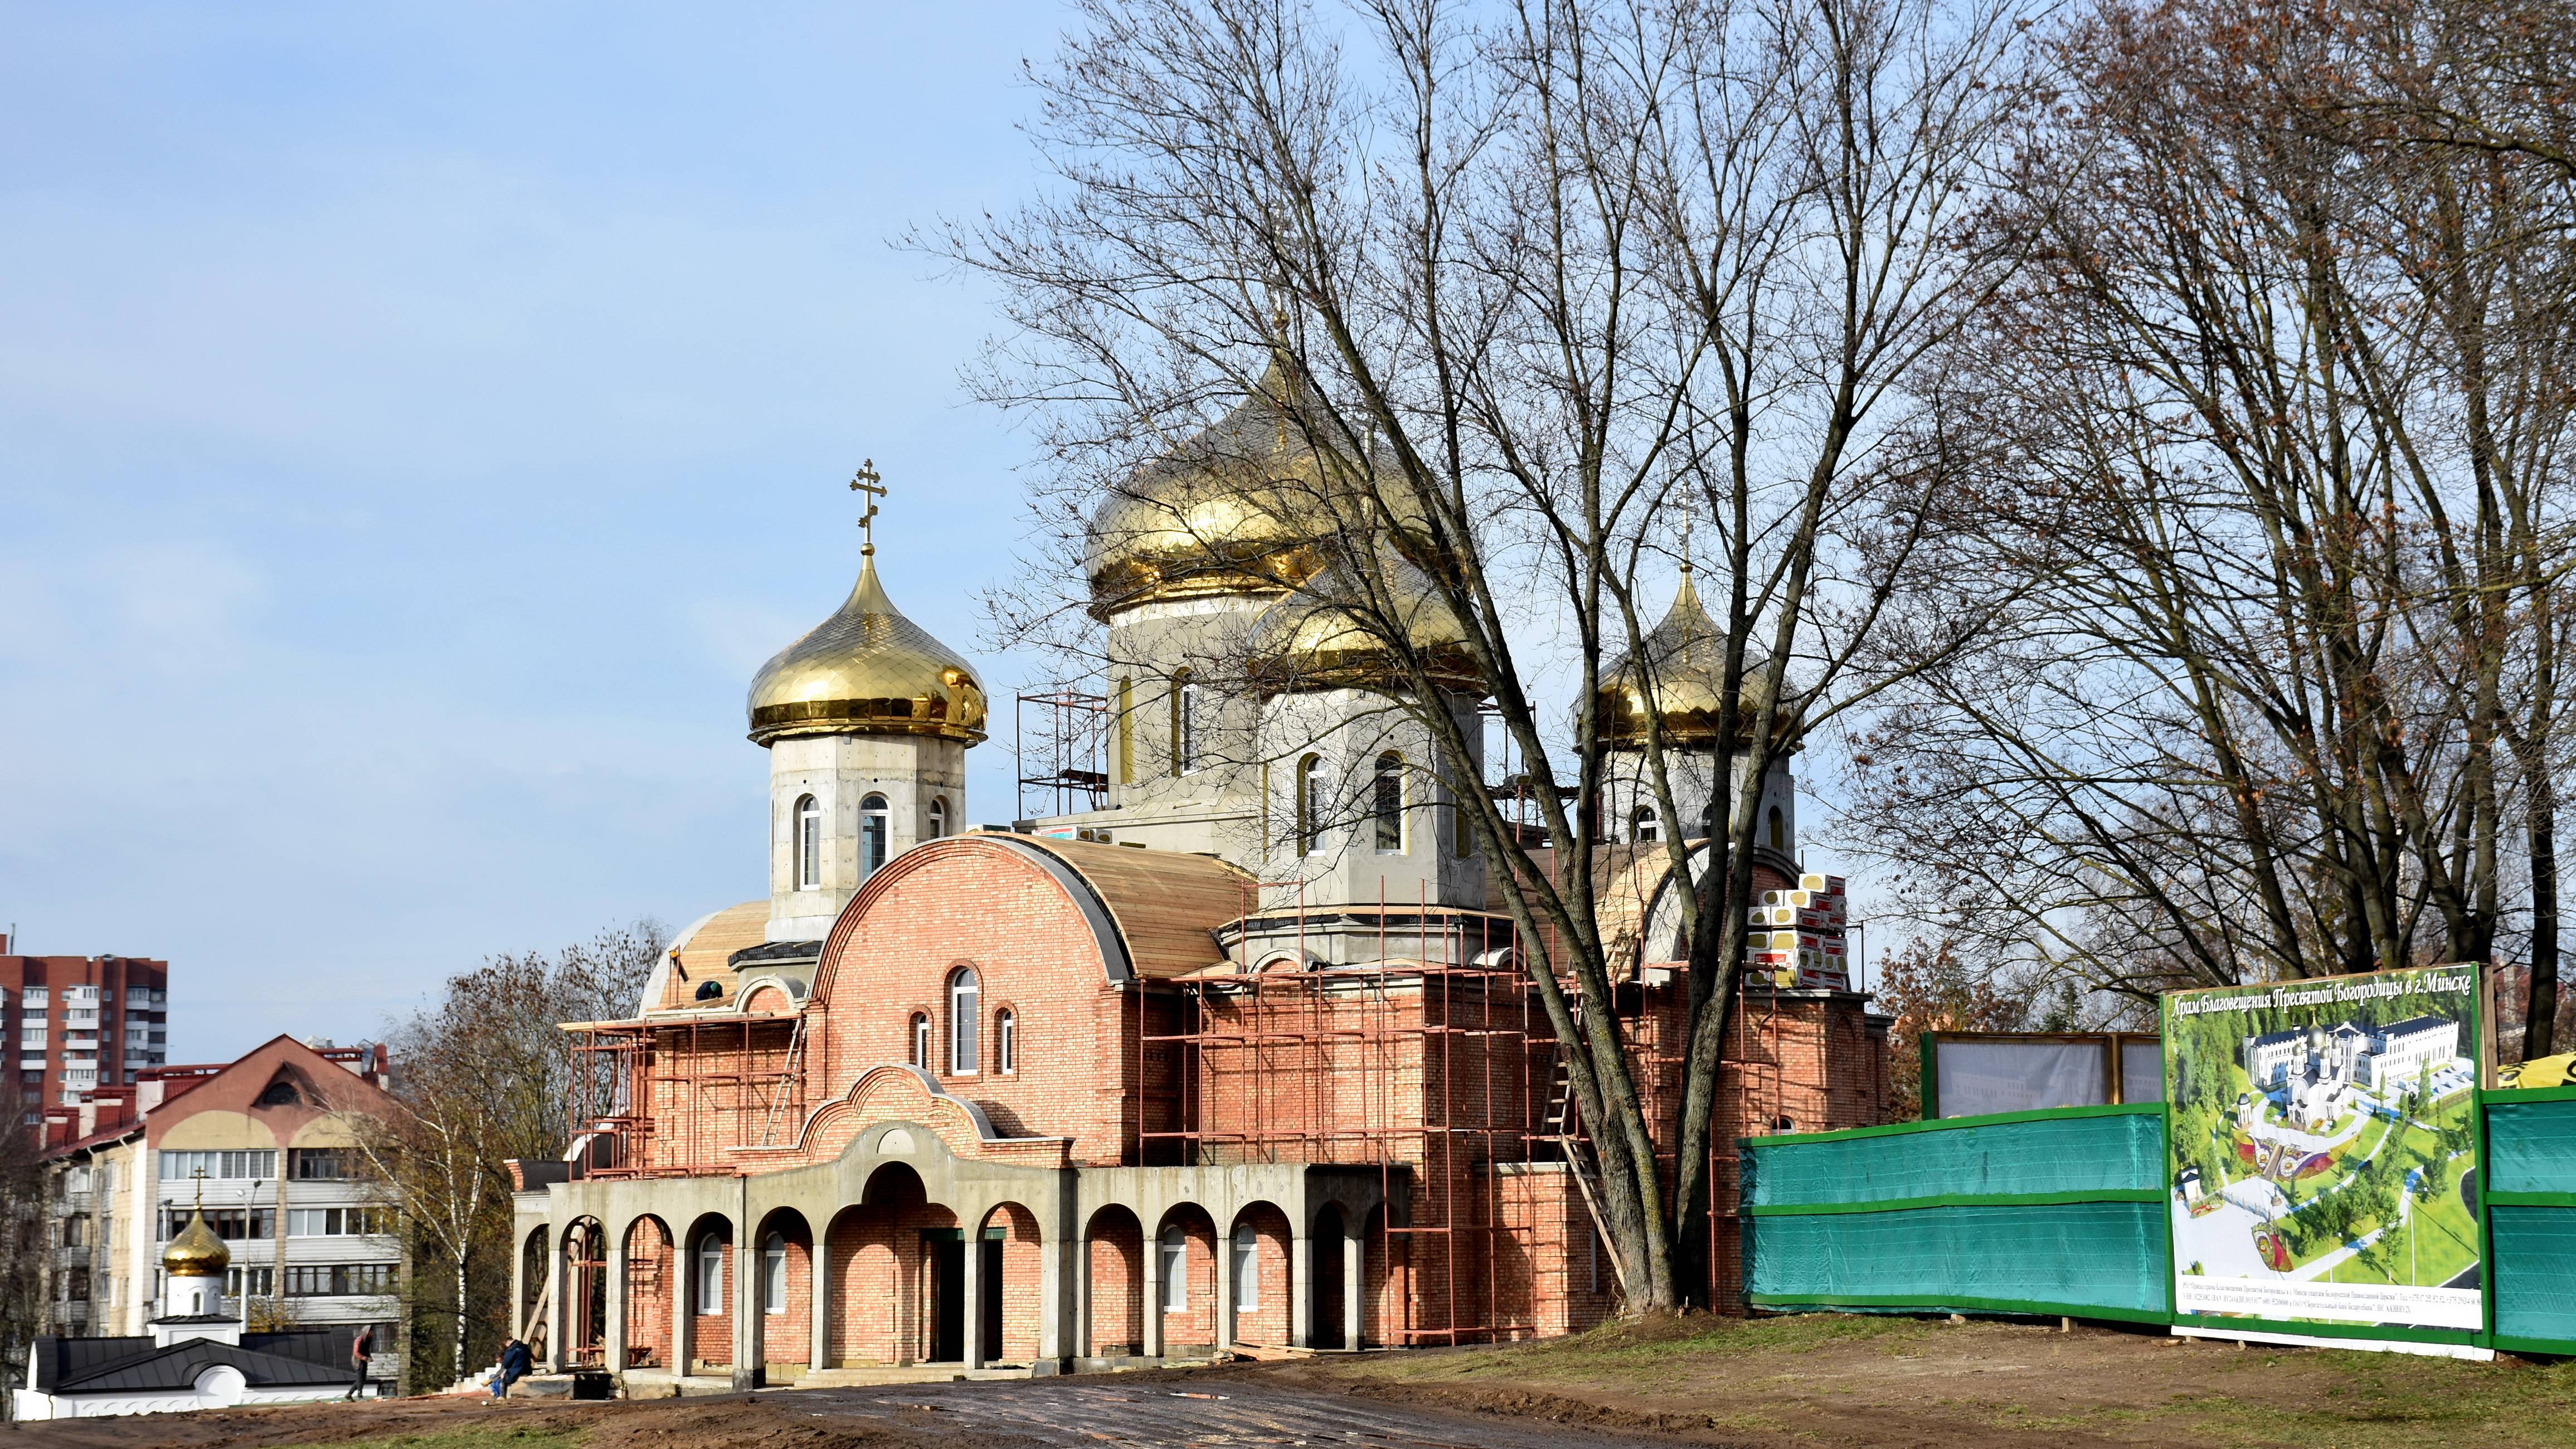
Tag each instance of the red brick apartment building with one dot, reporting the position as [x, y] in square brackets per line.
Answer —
[80, 1023]
[1245, 1054]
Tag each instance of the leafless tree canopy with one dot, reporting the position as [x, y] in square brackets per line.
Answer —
[1547, 283]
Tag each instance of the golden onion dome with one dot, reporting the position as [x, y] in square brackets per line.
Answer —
[867, 670]
[196, 1252]
[1310, 641]
[1679, 669]
[1238, 508]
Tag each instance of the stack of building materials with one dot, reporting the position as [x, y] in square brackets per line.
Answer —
[1798, 935]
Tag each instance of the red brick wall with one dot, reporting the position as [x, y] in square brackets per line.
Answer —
[1117, 1287]
[1267, 1323]
[787, 1338]
[711, 1334]
[1196, 1324]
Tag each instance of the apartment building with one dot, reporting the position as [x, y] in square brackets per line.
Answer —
[82, 1023]
[267, 1145]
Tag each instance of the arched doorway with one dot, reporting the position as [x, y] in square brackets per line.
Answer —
[1007, 1283]
[1184, 1271]
[883, 1256]
[585, 1290]
[1256, 1259]
[648, 1294]
[782, 1289]
[708, 1260]
[528, 1324]
[1113, 1259]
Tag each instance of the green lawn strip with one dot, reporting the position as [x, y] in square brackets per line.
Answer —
[471, 1436]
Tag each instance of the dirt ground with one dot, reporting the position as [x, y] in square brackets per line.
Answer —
[1878, 1382]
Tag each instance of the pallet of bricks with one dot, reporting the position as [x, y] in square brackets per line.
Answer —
[1797, 937]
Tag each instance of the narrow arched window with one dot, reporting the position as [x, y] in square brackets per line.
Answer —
[965, 994]
[1646, 826]
[773, 1274]
[921, 1041]
[1310, 805]
[1185, 723]
[1779, 831]
[1247, 1270]
[809, 844]
[938, 816]
[1006, 1041]
[1126, 732]
[874, 823]
[711, 1297]
[1174, 1251]
[1386, 803]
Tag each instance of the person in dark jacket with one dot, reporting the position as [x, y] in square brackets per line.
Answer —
[515, 1364]
[363, 1345]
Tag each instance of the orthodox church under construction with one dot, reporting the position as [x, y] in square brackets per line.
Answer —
[1244, 1055]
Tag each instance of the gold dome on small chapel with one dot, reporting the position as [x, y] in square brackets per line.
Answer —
[867, 670]
[196, 1252]
[1679, 670]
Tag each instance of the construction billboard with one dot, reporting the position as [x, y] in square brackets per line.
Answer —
[2323, 1156]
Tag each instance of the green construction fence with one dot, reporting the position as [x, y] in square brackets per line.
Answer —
[2056, 1212]
[2064, 1212]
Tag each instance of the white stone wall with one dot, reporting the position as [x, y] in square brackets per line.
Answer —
[1629, 788]
[840, 772]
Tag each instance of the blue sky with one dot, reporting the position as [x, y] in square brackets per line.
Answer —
[418, 422]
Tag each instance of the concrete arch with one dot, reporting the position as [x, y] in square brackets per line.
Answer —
[780, 1257]
[877, 1261]
[1261, 1282]
[648, 1285]
[1011, 1279]
[1113, 1284]
[1184, 1313]
[582, 1279]
[710, 1313]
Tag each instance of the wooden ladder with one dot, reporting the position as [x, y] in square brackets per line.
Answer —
[1561, 1126]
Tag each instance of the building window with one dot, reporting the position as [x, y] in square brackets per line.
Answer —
[711, 1275]
[1126, 732]
[1175, 1249]
[339, 1280]
[1461, 827]
[873, 822]
[321, 1164]
[938, 816]
[1006, 1041]
[251, 1283]
[1779, 831]
[338, 1222]
[1645, 826]
[179, 1166]
[1185, 724]
[1387, 803]
[809, 844]
[773, 1274]
[964, 994]
[921, 1041]
[231, 1224]
[1247, 1270]
[1310, 805]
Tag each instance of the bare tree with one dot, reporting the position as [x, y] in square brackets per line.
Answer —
[2276, 433]
[482, 1077]
[1539, 283]
[23, 1221]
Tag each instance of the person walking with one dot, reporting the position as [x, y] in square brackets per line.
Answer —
[359, 1349]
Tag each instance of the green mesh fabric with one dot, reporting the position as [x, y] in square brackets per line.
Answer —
[2035, 1155]
[2104, 1257]
[2531, 1146]
[2535, 1283]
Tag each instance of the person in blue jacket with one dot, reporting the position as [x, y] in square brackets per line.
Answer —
[515, 1364]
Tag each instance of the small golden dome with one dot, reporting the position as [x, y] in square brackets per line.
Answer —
[1309, 642]
[196, 1252]
[1682, 662]
[1237, 509]
[867, 670]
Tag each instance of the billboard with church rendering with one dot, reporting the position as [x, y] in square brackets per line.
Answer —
[2323, 1156]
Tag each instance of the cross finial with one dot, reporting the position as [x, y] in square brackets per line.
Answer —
[870, 482]
[200, 1176]
[1686, 537]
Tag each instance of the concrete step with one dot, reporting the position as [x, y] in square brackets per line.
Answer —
[866, 1375]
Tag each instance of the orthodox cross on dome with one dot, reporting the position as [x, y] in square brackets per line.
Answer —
[872, 483]
[200, 1176]
[1687, 521]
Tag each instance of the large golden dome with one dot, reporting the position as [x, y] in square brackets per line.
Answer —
[1679, 669]
[867, 670]
[196, 1252]
[1238, 508]
[1307, 641]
